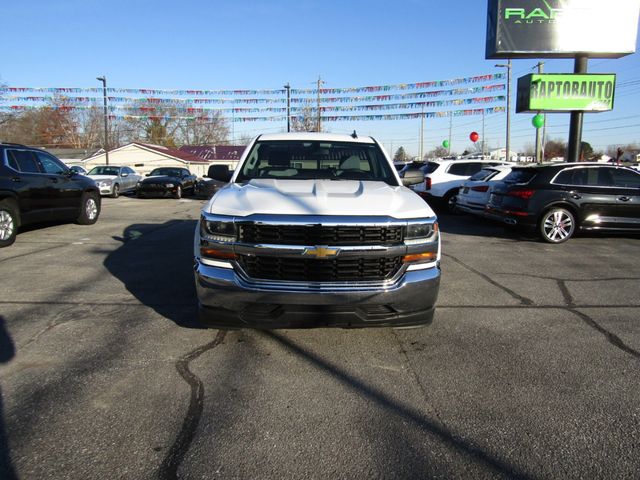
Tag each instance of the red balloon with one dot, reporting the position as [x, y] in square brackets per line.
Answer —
[474, 137]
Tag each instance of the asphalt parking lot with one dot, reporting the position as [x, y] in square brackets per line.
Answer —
[530, 368]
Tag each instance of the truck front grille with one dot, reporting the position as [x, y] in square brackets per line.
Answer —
[320, 235]
[346, 269]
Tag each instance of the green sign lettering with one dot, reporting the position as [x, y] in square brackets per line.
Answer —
[566, 92]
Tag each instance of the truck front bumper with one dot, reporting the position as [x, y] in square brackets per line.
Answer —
[227, 300]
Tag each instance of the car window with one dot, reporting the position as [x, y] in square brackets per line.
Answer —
[520, 175]
[430, 167]
[12, 161]
[484, 174]
[24, 160]
[459, 169]
[572, 176]
[104, 171]
[51, 165]
[625, 178]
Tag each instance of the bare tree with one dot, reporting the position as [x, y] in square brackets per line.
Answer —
[437, 152]
[151, 123]
[306, 121]
[210, 130]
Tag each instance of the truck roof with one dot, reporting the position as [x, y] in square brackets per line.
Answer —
[314, 136]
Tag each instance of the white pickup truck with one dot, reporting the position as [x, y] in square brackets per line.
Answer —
[316, 230]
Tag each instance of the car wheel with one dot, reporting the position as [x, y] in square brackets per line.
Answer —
[9, 221]
[116, 191]
[178, 193]
[89, 209]
[557, 225]
[449, 201]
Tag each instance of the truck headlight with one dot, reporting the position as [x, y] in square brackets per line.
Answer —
[217, 231]
[170, 185]
[419, 233]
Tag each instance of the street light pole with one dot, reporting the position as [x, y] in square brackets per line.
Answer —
[288, 88]
[508, 67]
[103, 79]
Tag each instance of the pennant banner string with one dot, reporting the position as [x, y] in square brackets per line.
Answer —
[337, 118]
[281, 91]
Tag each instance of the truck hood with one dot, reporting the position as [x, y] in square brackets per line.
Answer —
[317, 197]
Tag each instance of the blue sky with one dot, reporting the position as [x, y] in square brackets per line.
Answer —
[223, 44]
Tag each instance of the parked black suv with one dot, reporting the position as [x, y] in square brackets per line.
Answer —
[558, 199]
[35, 186]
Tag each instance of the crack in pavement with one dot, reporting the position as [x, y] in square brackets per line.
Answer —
[569, 306]
[175, 455]
[416, 378]
[520, 298]
[42, 250]
[612, 338]
[566, 294]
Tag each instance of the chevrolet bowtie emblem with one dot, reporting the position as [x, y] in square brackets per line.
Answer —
[321, 252]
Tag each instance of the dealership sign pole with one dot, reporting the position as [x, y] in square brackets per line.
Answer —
[578, 29]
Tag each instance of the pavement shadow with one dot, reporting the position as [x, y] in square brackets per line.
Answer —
[7, 352]
[470, 225]
[155, 263]
[497, 466]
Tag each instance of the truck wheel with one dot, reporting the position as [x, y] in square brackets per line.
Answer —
[9, 221]
[557, 225]
[116, 191]
[89, 209]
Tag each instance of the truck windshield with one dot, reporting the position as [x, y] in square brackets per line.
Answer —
[304, 160]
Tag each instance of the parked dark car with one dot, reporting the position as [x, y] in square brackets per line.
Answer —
[217, 177]
[559, 199]
[167, 182]
[35, 187]
[78, 169]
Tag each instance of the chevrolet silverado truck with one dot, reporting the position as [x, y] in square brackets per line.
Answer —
[316, 230]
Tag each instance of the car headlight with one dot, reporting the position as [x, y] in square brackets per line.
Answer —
[217, 231]
[419, 233]
[170, 185]
[106, 183]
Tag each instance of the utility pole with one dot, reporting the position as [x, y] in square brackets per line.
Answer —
[508, 67]
[483, 133]
[288, 88]
[422, 134]
[450, 129]
[539, 138]
[320, 82]
[103, 79]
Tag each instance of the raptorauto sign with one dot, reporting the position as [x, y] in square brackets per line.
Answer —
[556, 92]
[561, 28]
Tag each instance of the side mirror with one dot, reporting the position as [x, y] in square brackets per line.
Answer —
[124, 175]
[219, 172]
[412, 176]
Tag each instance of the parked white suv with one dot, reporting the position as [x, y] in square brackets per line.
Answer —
[443, 179]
